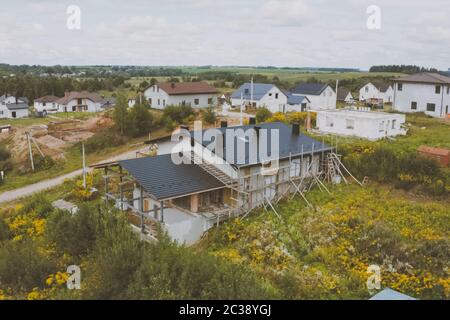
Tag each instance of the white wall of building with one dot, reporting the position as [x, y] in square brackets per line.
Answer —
[274, 100]
[49, 107]
[326, 100]
[159, 99]
[419, 95]
[364, 124]
[5, 113]
[369, 91]
[88, 106]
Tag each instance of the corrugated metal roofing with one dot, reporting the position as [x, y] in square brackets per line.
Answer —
[164, 179]
[288, 144]
[309, 88]
[294, 99]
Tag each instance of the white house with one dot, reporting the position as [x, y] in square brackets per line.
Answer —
[344, 95]
[361, 123]
[265, 95]
[321, 96]
[383, 92]
[195, 94]
[46, 104]
[423, 92]
[13, 108]
[80, 102]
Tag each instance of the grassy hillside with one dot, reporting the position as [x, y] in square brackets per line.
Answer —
[324, 253]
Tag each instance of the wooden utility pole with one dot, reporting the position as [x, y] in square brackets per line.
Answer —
[84, 167]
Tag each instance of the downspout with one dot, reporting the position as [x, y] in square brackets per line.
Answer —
[442, 100]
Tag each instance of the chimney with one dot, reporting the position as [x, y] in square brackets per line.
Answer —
[252, 120]
[185, 127]
[296, 128]
[66, 93]
[223, 124]
[172, 85]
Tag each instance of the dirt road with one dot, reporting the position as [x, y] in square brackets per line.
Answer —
[163, 148]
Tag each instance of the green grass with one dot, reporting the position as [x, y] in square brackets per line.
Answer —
[422, 130]
[324, 253]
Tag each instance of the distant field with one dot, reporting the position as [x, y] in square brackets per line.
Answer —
[291, 76]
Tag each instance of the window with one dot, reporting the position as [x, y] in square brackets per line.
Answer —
[276, 95]
[150, 101]
[164, 102]
[303, 108]
[43, 104]
[448, 90]
[437, 89]
[413, 105]
[431, 107]
[1, 112]
[159, 102]
[400, 86]
[196, 102]
[270, 94]
[79, 101]
[154, 88]
[367, 89]
[393, 123]
[246, 91]
[210, 100]
[381, 126]
[350, 123]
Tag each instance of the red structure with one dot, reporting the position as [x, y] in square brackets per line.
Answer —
[441, 155]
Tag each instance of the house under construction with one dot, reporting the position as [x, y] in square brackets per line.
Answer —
[218, 182]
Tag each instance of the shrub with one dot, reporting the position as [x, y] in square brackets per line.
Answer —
[262, 114]
[23, 266]
[178, 113]
[209, 115]
[103, 139]
[4, 153]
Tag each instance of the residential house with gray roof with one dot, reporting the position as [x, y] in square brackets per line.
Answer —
[213, 175]
[321, 96]
[423, 92]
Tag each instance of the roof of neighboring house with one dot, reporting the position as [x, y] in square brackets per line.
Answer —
[389, 294]
[163, 179]
[17, 106]
[342, 94]
[48, 98]
[425, 77]
[289, 144]
[309, 88]
[381, 86]
[180, 88]
[295, 99]
[94, 97]
[259, 91]
[109, 102]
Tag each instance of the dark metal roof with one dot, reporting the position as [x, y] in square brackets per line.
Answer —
[309, 88]
[16, 106]
[163, 179]
[289, 144]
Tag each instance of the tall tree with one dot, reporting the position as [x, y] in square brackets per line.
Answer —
[120, 115]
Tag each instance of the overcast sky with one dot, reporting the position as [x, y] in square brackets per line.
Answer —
[295, 33]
